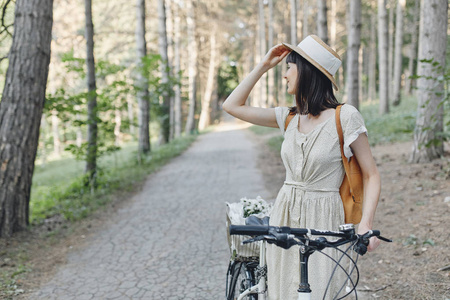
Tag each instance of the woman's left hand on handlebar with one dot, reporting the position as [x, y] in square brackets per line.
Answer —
[373, 241]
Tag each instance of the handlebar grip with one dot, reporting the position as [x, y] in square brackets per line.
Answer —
[361, 246]
[249, 229]
[375, 232]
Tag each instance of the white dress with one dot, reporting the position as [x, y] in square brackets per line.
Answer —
[310, 198]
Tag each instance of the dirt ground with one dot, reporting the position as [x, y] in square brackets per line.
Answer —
[414, 211]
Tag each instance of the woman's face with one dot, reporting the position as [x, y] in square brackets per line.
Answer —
[291, 78]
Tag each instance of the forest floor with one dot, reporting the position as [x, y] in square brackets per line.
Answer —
[414, 211]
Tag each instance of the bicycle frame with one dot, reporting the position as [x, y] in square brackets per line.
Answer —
[260, 287]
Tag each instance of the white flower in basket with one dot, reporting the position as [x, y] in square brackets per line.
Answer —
[236, 214]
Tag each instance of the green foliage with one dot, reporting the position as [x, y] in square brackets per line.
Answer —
[262, 130]
[415, 241]
[12, 271]
[159, 91]
[56, 193]
[227, 79]
[429, 242]
[9, 286]
[397, 126]
[113, 88]
[410, 240]
[74, 64]
[275, 143]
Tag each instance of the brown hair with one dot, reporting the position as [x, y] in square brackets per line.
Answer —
[314, 91]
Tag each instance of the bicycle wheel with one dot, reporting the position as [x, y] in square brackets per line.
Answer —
[242, 278]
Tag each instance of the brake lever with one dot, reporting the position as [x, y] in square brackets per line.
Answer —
[259, 238]
[384, 239]
[361, 246]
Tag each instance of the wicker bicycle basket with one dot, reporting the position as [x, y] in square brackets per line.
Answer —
[238, 250]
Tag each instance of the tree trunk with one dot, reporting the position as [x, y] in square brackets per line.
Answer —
[360, 74]
[165, 111]
[341, 33]
[262, 51]
[391, 48]
[282, 91]
[21, 110]
[177, 68]
[271, 72]
[205, 115]
[91, 157]
[142, 81]
[170, 55]
[413, 49]
[372, 59]
[305, 24]
[383, 55]
[293, 22]
[298, 4]
[192, 68]
[333, 24]
[322, 25]
[398, 52]
[256, 97]
[354, 43]
[428, 144]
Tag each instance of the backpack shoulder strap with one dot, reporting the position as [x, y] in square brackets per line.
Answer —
[288, 119]
[341, 138]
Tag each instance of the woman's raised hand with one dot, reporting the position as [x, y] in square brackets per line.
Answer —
[275, 56]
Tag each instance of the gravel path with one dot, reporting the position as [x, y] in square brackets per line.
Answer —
[169, 242]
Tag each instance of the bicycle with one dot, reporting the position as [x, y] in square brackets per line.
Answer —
[247, 279]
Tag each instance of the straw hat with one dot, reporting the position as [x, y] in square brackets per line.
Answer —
[320, 55]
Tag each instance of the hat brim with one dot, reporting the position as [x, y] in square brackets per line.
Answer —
[313, 62]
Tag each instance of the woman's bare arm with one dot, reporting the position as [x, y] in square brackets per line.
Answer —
[235, 103]
[372, 185]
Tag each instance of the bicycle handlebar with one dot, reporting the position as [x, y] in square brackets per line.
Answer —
[254, 230]
[284, 236]
[249, 230]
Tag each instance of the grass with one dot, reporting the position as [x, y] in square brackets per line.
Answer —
[396, 126]
[274, 142]
[59, 187]
[13, 270]
[261, 130]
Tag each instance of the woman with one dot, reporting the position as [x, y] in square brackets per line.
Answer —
[310, 196]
